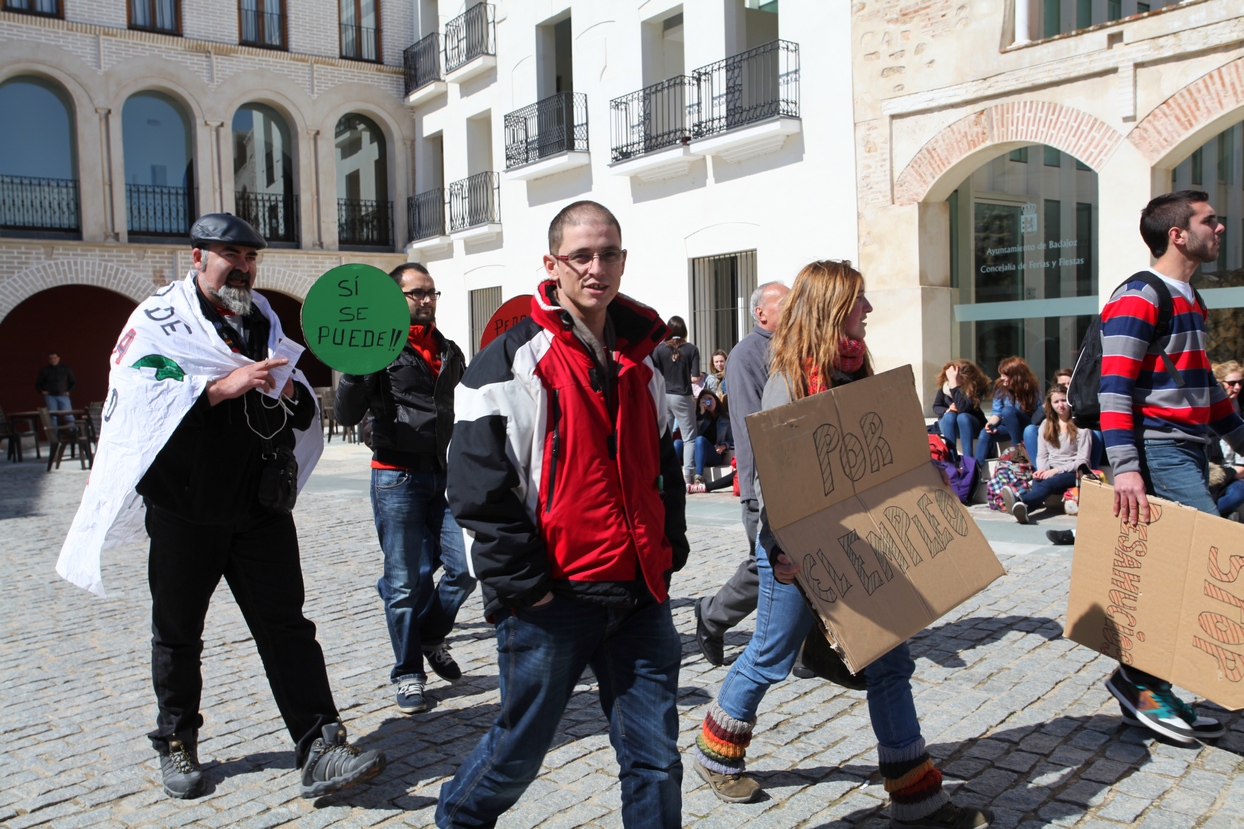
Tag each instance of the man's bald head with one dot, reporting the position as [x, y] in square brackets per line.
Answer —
[579, 213]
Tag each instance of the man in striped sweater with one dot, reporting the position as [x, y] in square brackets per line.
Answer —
[1156, 432]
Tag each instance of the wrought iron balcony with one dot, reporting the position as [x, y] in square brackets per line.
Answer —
[274, 215]
[752, 86]
[39, 204]
[41, 8]
[654, 118]
[365, 223]
[422, 63]
[474, 201]
[558, 124]
[158, 210]
[470, 35]
[360, 43]
[260, 28]
[425, 214]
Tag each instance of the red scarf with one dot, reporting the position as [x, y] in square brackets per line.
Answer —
[421, 340]
[849, 360]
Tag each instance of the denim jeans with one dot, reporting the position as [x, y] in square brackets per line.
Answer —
[417, 533]
[1043, 488]
[59, 403]
[1177, 470]
[541, 653]
[1014, 419]
[782, 622]
[705, 453]
[1231, 499]
[962, 426]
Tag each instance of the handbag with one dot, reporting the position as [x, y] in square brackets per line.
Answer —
[278, 480]
[822, 660]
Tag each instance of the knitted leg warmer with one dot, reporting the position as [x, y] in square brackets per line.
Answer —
[915, 787]
[722, 742]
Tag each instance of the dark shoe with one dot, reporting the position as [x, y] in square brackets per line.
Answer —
[1061, 536]
[410, 697]
[1158, 709]
[949, 816]
[333, 764]
[732, 788]
[183, 777]
[712, 647]
[442, 663]
[801, 670]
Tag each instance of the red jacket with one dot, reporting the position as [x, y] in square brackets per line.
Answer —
[561, 487]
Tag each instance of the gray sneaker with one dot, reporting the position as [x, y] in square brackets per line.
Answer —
[410, 697]
[333, 764]
[183, 777]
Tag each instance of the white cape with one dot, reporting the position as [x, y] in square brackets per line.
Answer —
[166, 356]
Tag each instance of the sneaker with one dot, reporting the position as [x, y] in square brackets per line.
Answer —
[732, 788]
[1012, 504]
[1071, 507]
[333, 764]
[713, 648]
[183, 777]
[696, 488]
[1061, 537]
[1159, 710]
[410, 697]
[442, 663]
[949, 816]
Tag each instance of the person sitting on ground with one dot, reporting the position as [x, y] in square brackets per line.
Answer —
[1032, 431]
[713, 440]
[1061, 450]
[1015, 398]
[961, 386]
[715, 379]
[1226, 469]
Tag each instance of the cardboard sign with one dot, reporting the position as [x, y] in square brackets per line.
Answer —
[1166, 597]
[511, 313]
[849, 491]
[355, 319]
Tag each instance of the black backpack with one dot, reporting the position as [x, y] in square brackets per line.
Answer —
[1086, 376]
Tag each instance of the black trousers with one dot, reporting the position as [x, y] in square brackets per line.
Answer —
[258, 557]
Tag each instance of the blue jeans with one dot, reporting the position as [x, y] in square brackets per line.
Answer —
[1043, 488]
[1014, 419]
[782, 622]
[960, 426]
[1231, 499]
[59, 403]
[541, 653]
[1177, 470]
[705, 453]
[417, 533]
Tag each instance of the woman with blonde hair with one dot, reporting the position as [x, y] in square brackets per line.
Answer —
[961, 386]
[819, 344]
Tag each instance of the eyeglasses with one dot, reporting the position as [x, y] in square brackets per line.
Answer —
[419, 295]
[608, 258]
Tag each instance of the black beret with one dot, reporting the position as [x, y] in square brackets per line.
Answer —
[225, 227]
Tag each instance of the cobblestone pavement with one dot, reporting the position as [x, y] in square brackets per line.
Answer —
[1015, 715]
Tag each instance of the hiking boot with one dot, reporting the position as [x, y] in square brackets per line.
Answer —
[949, 816]
[333, 764]
[1012, 504]
[183, 777]
[442, 663]
[732, 788]
[713, 648]
[410, 697]
[1061, 537]
[1158, 709]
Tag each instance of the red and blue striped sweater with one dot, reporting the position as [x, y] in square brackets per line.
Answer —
[1138, 398]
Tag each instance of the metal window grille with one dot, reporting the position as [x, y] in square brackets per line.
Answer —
[474, 201]
[558, 124]
[470, 35]
[655, 117]
[721, 289]
[422, 63]
[365, 223]
[159, 210]
[484, 303]
[39, 204]
[425, 214]
[274, 215]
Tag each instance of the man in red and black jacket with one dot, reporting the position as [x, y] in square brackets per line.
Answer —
[563, 470]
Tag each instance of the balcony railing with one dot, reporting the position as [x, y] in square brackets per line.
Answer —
[42, 8]
[655, 117]
[365, 223]
[756, 85]
[360, 42]
[258, 28]
[274, 215]
[39, 204]
[558, 124]
[470, 35]
[422, 63]
[425, 214]
[158, 210]
[474, 201]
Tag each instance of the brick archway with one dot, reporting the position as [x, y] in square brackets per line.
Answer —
[25, 284]
[1073, 131]
[1179, 118]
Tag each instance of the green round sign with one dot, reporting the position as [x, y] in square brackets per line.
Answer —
[355, 319]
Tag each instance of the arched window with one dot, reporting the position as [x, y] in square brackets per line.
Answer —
[38, 159]
[263, 173]
[159, 166]
[364, 212]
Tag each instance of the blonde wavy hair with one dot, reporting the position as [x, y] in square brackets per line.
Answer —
[813, 322]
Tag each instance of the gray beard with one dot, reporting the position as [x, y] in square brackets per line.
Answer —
[238, 300]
